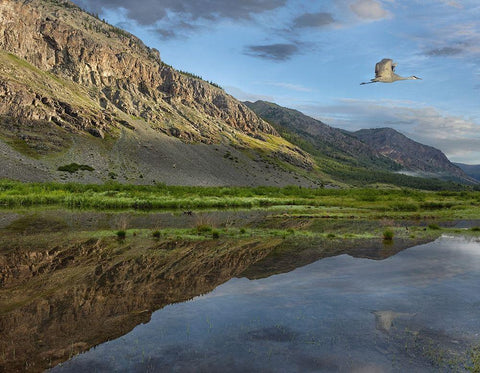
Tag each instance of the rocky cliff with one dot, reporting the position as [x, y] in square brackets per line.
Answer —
[116, 69]
[66, 75]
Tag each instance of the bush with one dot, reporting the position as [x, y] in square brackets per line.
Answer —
[215, 235]
[331, 235]
[433, 226]
[156, 234]
[388, 235]
[204, 228]
[121, 234]
[475, 229]
[242, 230]
[74, 167]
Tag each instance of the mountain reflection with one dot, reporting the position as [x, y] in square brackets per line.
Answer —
[61, 295]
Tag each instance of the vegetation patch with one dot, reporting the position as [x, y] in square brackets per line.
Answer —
[75, 167]
[388, 235]
[121, 235]
[315, 202]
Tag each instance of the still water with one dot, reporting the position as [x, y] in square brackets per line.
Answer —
[416, 311]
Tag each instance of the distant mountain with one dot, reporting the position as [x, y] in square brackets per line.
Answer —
[326, 141]
[470, 169]
[362, 158]
[416, 158]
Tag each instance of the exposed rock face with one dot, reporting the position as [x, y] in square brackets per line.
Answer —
[410, 154]
[113, 70]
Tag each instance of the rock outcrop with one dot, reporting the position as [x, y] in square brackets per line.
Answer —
[72, 73]
[115, 70]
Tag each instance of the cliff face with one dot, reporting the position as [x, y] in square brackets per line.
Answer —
[66, 77]
[113, 70]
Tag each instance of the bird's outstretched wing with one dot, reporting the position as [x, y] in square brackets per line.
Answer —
[384, 68]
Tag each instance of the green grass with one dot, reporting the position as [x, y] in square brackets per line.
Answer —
[388, 235]
[334, 203]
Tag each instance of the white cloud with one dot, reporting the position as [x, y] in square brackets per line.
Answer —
[241, 95]
[289, 86]
[369, 10]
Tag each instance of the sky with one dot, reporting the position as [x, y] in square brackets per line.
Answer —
[312, 56]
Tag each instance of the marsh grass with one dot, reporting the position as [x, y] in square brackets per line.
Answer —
[379, 203]
[388, 235]
[121, 235]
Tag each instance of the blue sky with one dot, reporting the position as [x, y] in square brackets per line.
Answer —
[312, 55]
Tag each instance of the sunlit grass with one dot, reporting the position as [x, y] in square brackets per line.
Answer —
[340, 203]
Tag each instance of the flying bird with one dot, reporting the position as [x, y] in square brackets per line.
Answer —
[385, 73]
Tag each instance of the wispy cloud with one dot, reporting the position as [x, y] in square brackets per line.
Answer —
[313, 20]
[289, 86]
[148, 12]
[274, 52]
[444, 51]
[369, 10]
[241, 95]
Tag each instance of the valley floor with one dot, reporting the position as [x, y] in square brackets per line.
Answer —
[318, 202]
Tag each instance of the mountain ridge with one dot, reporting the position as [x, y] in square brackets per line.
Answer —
[471, 170]
[378, 152]
[412, 155]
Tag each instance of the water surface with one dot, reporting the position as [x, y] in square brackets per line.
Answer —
[416, 311]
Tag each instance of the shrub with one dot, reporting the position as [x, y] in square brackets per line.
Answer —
[433, 226]
[388, 235]
[156, 234]
[475, 229]
[74, 167]
[242, 230]
[204, 228]
[215, 235]
[121, 234]
[331, 235]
